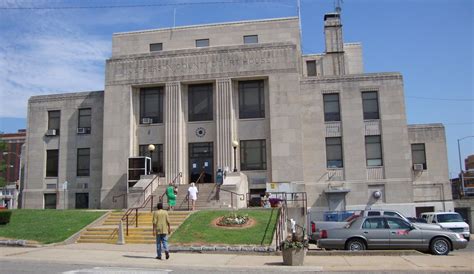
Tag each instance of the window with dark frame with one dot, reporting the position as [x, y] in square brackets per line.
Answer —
[251, 99]
[52, 162]
[54, 120]
[332, 111]
[151, 104]
[202, 43]
[83, 161]
[84, 120]
[50, 201]
[334, 152]
[373, 150]
[311, 68]
[156, 47]
[370, 105]
[156, 157]
[200, 102]
[251, 39]
[418, 154]
[253, 155]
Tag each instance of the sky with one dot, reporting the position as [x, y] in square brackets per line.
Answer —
[60, 46]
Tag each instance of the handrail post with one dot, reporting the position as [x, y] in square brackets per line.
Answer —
[136, 217]
[151, 205]
[127, 225]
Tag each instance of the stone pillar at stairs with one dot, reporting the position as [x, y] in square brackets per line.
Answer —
[174, 131]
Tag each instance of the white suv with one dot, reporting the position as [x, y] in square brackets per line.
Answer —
[448, 220]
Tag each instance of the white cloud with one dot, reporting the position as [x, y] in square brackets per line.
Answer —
[47, 54]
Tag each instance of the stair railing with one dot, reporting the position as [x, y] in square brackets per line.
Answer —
[146, 199]
[232, 194]
[180, 174]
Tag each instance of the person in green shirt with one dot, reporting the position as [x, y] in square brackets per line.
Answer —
[161, 229]
[171, 194]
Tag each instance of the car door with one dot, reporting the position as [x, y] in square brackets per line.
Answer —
[375, 231]
[403, 235]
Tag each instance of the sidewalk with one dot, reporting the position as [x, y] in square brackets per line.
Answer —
[144, 256]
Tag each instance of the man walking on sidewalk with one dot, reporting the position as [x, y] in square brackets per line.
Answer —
[161, 228]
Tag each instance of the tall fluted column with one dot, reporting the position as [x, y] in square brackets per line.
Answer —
[174, 131]
[225, 123]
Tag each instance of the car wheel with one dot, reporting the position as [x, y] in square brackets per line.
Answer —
[355, 245]
[440, 246]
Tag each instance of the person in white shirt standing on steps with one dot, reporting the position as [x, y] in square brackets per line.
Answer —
[192, 194]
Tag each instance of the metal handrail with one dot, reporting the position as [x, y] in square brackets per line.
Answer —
[232, 193]
[127, 214]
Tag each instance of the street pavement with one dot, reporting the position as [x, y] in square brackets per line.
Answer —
[142, 257]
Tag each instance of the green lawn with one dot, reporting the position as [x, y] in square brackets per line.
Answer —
[198, 229]
[46, 226]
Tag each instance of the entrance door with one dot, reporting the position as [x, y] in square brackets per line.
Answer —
[201, 160]
[82, 200]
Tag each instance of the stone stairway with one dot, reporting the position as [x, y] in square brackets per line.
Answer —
[107, 232]
[205, 200]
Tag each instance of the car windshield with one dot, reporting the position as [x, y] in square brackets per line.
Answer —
[449, 218]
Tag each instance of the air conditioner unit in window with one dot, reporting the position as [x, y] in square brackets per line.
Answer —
[81, 130]
[147, 120]
[418, 167]
[51, 132]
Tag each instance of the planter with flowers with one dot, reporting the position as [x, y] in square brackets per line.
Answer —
[293, 250]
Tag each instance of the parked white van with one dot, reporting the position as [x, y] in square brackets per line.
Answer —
[449, 220]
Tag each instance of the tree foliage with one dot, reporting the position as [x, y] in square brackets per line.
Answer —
[3, 166]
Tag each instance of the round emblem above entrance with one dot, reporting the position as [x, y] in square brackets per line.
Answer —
[200, 132]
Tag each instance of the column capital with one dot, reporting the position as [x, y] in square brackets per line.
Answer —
[223, 80]
[172, 84]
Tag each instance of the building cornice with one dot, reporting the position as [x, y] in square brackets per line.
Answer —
[425, 126]
[353, 77]
[201, 51]
[65, 96]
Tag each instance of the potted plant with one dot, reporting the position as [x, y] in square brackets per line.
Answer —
[293, 250]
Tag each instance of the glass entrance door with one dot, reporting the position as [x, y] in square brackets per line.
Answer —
[201, 160]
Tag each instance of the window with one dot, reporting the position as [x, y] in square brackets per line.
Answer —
[373, 213]
[202, 43]
[54, 120]
[156, 47]
[200, 102]
[251, 99]
[311, 68]
[373, 150]
[392, 214]
[395, 223]
[82, 200]
[83, 161]
[52, 162]
[156, 157]
[334, 152]
[84, 121]
[250, 39]
[370, 104]
[151, 104]
[50, 201]
[418, 154]
[253, 155]
[374, 223]
[331, 107]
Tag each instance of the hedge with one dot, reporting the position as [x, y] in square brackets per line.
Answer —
[5, 216]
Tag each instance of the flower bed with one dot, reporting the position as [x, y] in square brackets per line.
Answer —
[233, 219]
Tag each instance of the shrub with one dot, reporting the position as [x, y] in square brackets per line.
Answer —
[5, 216]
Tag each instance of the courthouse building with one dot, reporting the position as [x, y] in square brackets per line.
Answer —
[238, 95]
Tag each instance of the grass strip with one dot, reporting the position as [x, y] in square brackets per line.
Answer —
[47, 226]
[198, 229]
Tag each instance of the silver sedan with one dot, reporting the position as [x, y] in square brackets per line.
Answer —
[390, 233]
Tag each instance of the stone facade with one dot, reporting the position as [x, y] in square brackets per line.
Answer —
[292, 127]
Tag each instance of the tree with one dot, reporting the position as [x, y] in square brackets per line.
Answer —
[3, 166]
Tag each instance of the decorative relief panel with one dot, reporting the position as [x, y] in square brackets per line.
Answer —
[218, 63]
[333, 129]
[372, 127]
[375, 173]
